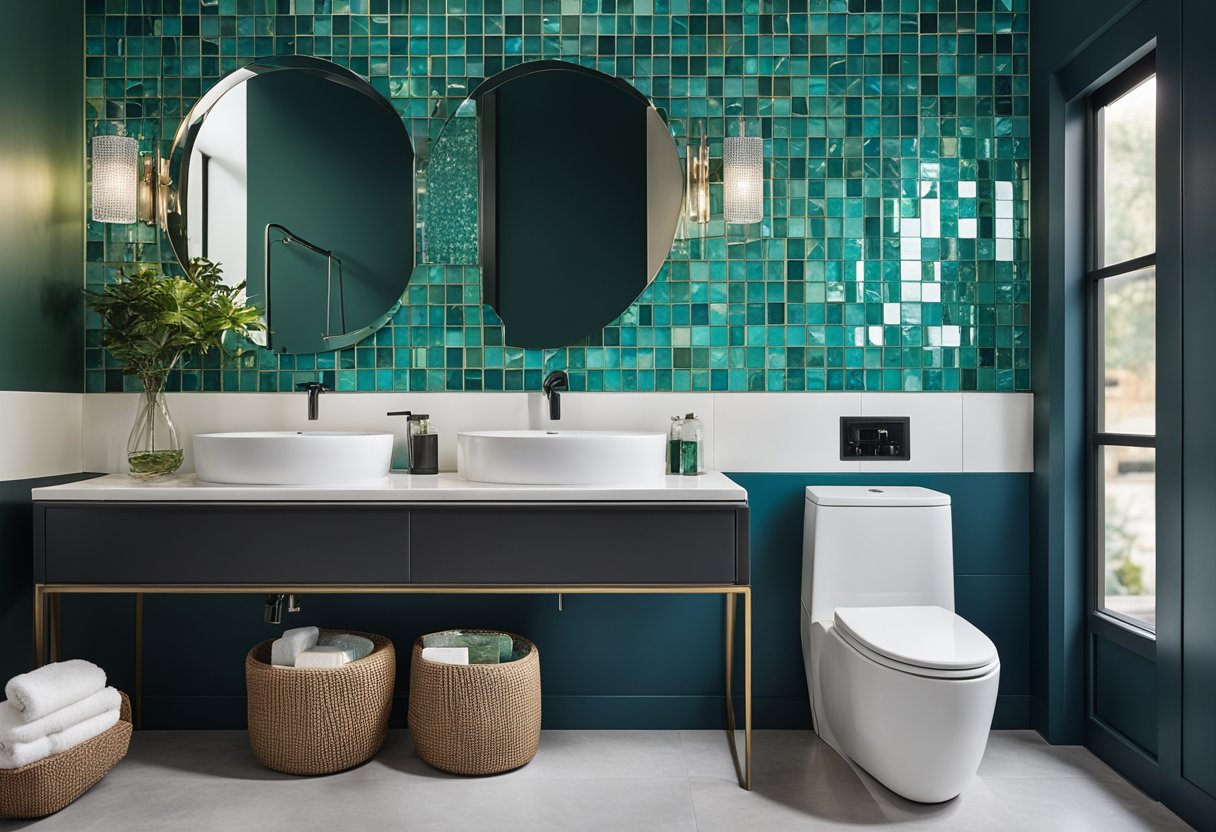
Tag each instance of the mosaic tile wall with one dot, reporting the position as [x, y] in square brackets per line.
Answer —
[894, 253]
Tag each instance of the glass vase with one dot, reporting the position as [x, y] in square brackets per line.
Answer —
[153, 449]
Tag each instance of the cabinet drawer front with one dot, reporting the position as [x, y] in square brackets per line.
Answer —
[226, 544]
[526, 545]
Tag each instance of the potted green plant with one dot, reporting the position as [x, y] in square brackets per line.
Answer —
[151, 320]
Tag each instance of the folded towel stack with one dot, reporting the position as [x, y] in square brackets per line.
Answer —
[305, 647]
[354, 647]
[52, 709]
[446, 655]
[291, 644]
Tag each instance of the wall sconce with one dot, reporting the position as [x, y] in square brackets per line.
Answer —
[115, 176]
[152, 198]
[128, 186]
[743, 178]
[696, 173]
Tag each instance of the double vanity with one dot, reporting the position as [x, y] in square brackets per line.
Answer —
[403, 534]
[260, 178]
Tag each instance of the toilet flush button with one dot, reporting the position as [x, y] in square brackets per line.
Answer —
[876, 491]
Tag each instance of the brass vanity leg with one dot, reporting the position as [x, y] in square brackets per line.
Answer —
[55, 602]
[747, 686]
[39, 626]
[744, 772]
[730, 664]
[138, 704]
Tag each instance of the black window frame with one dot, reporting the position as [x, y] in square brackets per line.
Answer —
[1097, 271]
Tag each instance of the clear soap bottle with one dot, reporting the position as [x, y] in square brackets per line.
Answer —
[692, 456]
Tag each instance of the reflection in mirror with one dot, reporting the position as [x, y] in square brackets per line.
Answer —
[295, 174]
[578, 201]
[449, 210]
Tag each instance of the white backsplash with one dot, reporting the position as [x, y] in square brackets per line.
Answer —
[744, 432]
[40, 434]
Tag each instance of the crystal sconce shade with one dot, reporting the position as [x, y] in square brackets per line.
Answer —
[743, 178]
[115, 178]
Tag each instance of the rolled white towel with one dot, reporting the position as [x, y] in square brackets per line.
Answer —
[54, 686]
[293, 642]
[14, 729]
[24, 753]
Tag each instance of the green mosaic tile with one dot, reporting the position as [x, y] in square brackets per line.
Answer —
[894, 254]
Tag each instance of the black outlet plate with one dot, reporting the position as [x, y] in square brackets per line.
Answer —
[875, 437]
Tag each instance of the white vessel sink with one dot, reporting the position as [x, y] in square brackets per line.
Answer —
[292, 457]
[561, 457]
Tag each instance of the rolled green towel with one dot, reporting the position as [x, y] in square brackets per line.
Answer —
[484, 648]
[356, 647]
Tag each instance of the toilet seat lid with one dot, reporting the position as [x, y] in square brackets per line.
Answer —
[928, 637]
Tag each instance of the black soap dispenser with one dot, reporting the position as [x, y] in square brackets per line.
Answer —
[421, 443]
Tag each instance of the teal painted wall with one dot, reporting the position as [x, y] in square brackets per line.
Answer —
[607, 661]
[370, 187]
[991, 568]
[1186, 641]
[41, 196]
[1060, 31]
[1125, 693]
[877, 115]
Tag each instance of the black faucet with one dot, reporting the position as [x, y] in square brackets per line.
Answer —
[555, 383]
[314, 389]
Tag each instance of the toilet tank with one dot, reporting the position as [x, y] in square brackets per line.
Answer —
[876, 546]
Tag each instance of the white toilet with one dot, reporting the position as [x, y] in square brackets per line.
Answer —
[899, 684]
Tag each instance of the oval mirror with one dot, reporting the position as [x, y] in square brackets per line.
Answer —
[577, 201]
[296, 175]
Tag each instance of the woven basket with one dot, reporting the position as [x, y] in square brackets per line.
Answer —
[45, 787]
[477, 718]
[319, 721]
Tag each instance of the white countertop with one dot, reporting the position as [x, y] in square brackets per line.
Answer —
[396, 488]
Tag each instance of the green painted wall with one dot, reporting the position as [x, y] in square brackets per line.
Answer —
[17, 574]
[42, 209]
[570, 158]
[369, 170]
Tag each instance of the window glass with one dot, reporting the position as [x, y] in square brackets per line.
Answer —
[1129, 332]
[1129, 175]
[1129, 539]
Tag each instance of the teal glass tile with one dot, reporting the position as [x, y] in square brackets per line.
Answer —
[894, 250]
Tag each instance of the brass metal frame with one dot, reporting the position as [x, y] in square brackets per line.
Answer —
[48, 598]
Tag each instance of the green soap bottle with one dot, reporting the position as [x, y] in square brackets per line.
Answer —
[674, 465]
[692, 458]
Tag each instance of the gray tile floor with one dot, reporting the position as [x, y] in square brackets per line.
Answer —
[600, 780]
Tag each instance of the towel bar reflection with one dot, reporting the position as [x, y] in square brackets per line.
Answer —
[288, 238]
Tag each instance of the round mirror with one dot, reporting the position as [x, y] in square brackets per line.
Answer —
[576, 202]
[295, 175]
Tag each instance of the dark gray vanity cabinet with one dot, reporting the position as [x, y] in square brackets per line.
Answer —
[213, 543]
[220, 543]
[579, 544]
